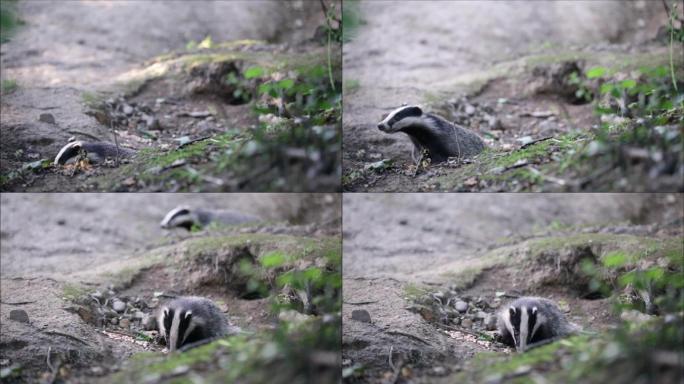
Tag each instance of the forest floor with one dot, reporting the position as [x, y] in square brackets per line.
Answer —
[409, 257]
[88, 68]
[97, 249]
[501, 69]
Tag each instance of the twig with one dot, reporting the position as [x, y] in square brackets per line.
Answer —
[67, 335]
[193, 141]
[414, 337]
[116, 141]
[327, 22]
[47, 359]
[54, 370]
[396, 369]
[75, 132]
[17, 302]
[535, 141]
[389, 359]
[360, 302]
[459, 329]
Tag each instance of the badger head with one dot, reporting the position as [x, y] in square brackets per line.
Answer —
[179, 217]
[175, 325]
[523, 322]
[400, 118]
[68, 151]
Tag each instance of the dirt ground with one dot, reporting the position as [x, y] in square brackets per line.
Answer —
[393, 242]
[431, 53]
[70, 49]
[56, 245]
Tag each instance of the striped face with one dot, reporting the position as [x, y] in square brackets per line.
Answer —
[67, 152]
[522, 322]
[178, 217]
[176, 325]
[400, 118]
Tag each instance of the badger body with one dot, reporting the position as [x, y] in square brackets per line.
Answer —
[186, 217]
[96, 152]
[530, 320]
[441, 138]
[189, 320]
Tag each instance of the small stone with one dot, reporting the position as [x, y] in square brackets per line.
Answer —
[467, 323]
[114, 321]
[124, 323]
[500, 293]
[47, 118]
[19, 315]
[461, 306]
[138, 315]
[149, 323]
[129, 182]
[481, 315]
[490, 323]
[438, 371]
[118, 305]
[469, 110]
[153, 303]
[361, 315]
[127, 109]
[96, 294]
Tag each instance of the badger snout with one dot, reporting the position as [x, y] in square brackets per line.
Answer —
[383, 127]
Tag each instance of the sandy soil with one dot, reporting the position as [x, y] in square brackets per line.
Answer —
[392, 241]
[423, 53]
[51, 242]
[68, 48]
[58, 234]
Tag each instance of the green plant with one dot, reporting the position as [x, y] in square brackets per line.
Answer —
[9, 86]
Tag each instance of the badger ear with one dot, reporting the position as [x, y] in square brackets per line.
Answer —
[188, 315]
[534, 310]
[511, 310]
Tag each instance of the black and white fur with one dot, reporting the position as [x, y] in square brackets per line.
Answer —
[96, 152]
[531, 320]
[186, 217]
[439, 137]
[191, 320]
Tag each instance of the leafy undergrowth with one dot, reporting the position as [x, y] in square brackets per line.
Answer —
[290, 142]
[641, 276]
[229, 116]
[301, 279]
[542, 136]
[645, 353]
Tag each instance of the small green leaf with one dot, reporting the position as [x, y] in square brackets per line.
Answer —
[596, 72]
[273, 259]
[629, 84]
[614, 259]
[253, 72]
[607, 88]
[206, 43]
[286, 83]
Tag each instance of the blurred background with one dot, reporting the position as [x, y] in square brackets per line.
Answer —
[63, 233]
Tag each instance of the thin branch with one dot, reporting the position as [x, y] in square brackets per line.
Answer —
[389, 359]
[116, 141]
[414, 337]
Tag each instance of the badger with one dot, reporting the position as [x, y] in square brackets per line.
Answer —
[531, 320]
[433, 133]
[189, 321]
[97, 152]
[186, 217]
